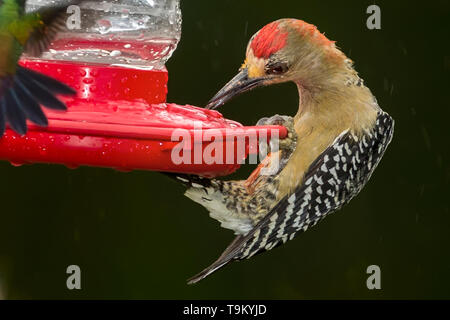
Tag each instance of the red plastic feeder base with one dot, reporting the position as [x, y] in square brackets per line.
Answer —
[119, 120]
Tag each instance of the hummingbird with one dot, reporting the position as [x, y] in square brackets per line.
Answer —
[23, 92]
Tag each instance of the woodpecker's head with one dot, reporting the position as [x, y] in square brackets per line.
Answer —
[285, 50]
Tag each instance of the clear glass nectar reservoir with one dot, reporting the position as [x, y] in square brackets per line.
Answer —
[133, 33]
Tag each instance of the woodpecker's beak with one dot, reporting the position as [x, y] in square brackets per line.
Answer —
[239, 84]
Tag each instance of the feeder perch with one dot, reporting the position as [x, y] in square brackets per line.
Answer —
[119, 118]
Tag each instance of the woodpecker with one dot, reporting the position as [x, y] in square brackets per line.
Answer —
[336, 139]
[22, 90]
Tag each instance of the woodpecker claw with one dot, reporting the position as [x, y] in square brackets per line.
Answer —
[288, 144]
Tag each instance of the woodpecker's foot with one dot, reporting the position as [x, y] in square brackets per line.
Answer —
[286, 145]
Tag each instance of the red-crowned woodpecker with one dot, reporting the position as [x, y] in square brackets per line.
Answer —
[335, 142]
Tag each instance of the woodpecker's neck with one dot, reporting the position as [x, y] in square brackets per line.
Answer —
[336, 103]
[322, 116]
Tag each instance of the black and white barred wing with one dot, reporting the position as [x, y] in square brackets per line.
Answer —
[332, 180]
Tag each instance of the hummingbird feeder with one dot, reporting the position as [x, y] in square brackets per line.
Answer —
[113, 54]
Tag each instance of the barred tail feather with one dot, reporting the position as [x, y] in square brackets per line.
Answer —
[225, 258]
[189, 180]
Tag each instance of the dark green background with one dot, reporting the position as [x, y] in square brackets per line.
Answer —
[135, 235]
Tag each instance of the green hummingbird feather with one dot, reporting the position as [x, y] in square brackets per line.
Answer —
[23, 91]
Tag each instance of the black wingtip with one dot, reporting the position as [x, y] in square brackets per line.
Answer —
[44, 89]
[225, 258]
[14, 113]
[2, 117]
[52, 85]
[29, 105]
[22, 97]
[206, 272]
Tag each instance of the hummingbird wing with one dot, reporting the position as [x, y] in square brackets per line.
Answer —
[22, 91]
[52, 20]
[22, 94]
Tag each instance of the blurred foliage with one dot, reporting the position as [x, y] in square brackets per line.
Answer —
[134, 235]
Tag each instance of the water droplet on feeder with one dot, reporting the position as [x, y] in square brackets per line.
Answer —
[115, 53]
[16, 163]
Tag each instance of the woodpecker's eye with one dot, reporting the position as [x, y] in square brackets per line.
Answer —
[277, 68]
